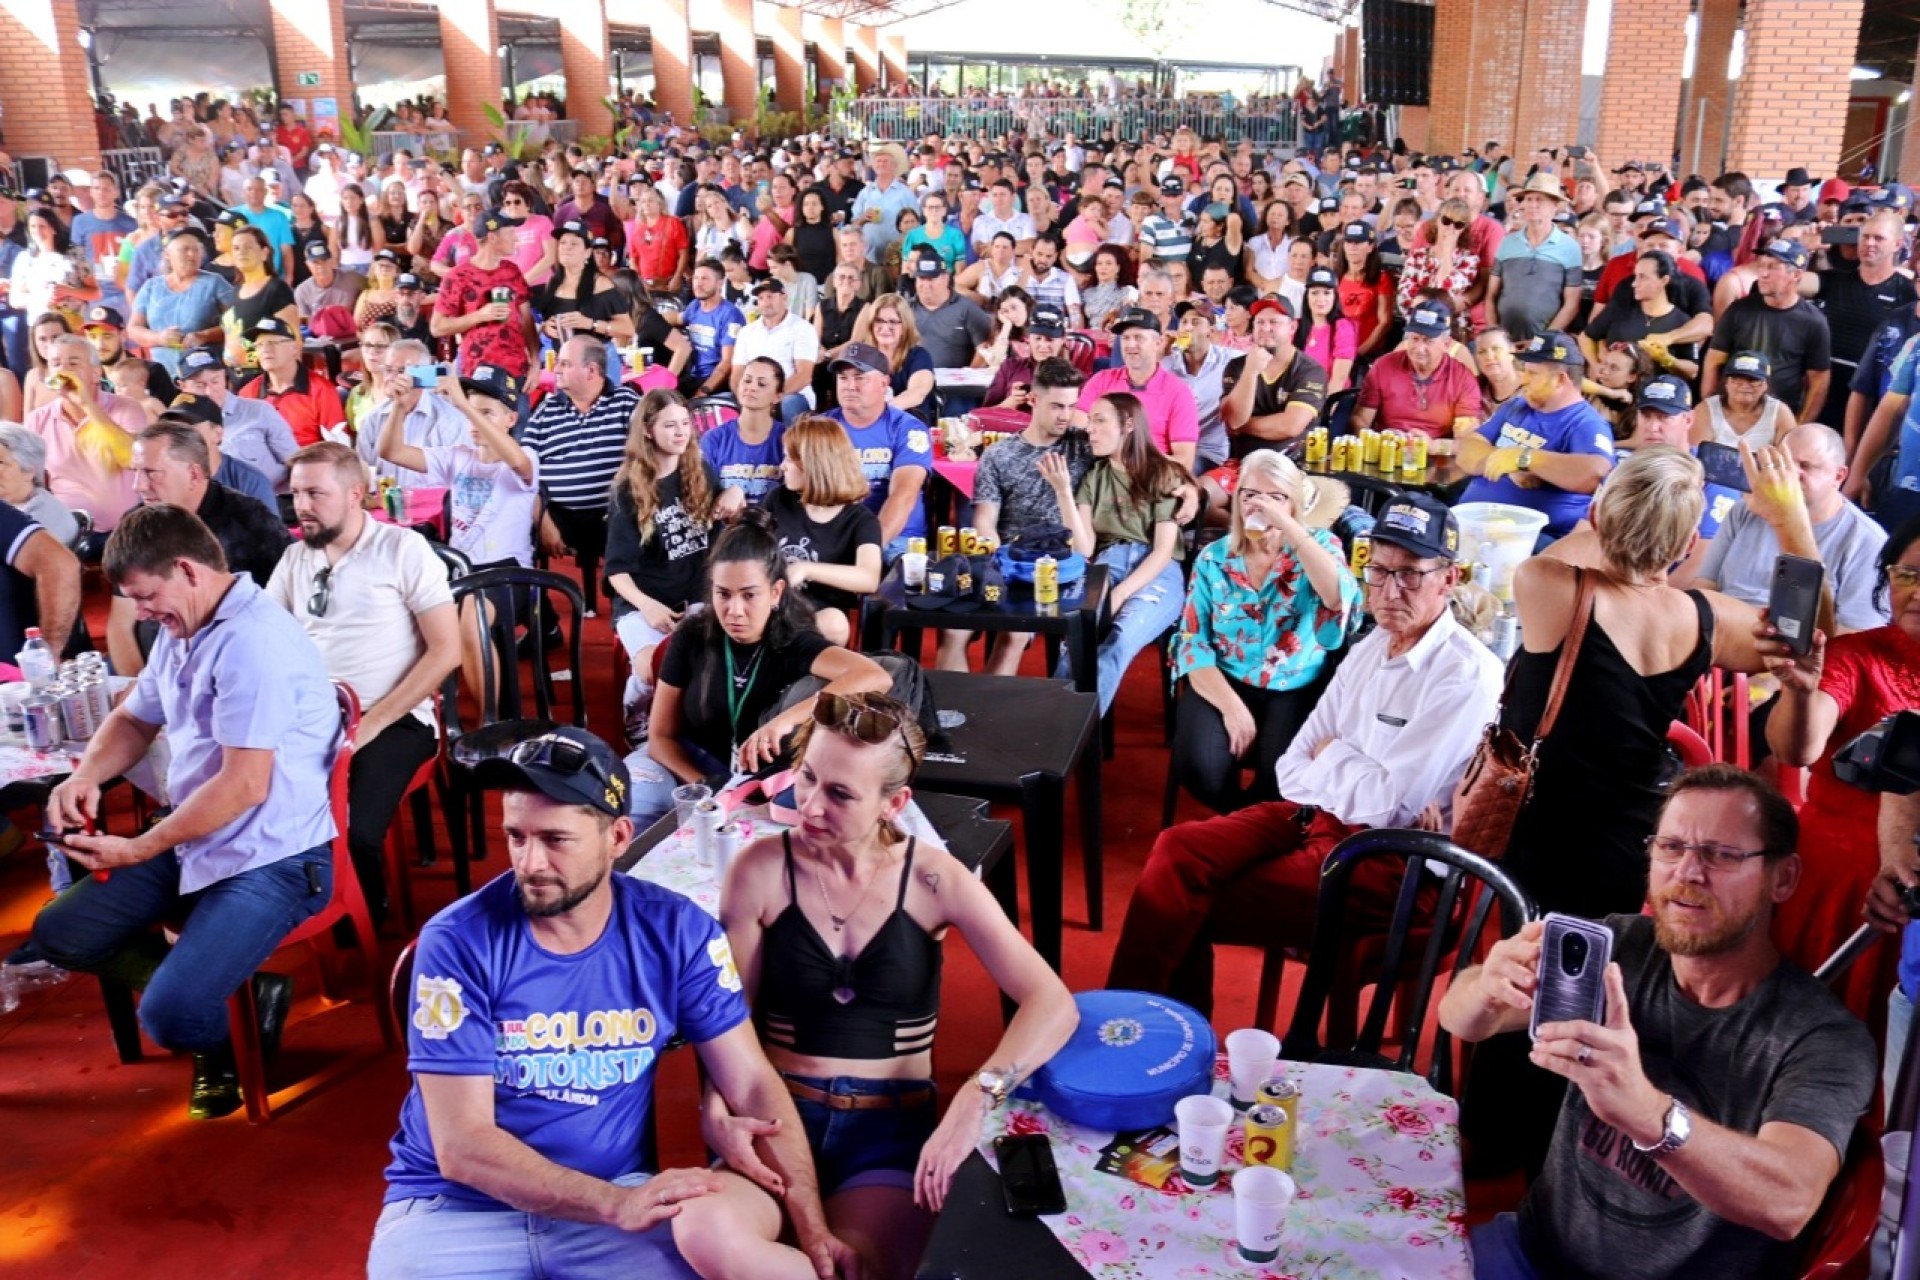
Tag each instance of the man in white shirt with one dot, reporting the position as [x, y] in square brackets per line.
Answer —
[1002, 214]
[429, 421]
[785, 338]
[1384, 747]
[374, 599]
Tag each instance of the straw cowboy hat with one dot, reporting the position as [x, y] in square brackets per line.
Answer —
[1541, 184]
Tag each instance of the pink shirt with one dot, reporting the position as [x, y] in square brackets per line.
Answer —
[765, 237]
[75, 479]
[535, 234]
[1168, 402]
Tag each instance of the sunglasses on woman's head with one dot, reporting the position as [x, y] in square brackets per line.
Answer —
[869, 724]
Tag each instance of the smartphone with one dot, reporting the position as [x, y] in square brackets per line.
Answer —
[1027, 1172]
[1840, 235]
[1722, 465]
[1793, 602]
[1576, 152]
[428, 375]
[839, 218]
[1572, 980]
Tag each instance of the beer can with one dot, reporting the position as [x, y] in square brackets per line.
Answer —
[99, 697]
[1362, 553]
[1389, 453]
[396, 500]
[502, 295]
[44, 728]
[916, 546]
[1370, 446]
[1284, 1094]
[76, 712]
[969, 541]
[946, 541]
[1316, 445]
[708, 818]
[1046, 580]
[1413, 454]
[1269, 1136]
[726, 843]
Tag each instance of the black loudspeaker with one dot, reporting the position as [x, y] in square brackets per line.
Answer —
[1397, 44]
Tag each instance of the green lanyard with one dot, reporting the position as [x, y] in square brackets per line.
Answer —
[737, 694]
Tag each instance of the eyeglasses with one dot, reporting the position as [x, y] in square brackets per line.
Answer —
[869, 724]
[1407, 580]
[322, 592]
[1714, 857]
[1902, 575]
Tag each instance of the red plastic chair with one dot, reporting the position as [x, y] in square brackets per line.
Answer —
[1839, 1234]
[1691, 747]
[1717, 708]
[432, 769]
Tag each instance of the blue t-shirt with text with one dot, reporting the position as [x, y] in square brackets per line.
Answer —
[751, 468]
[712, 330]
[1577, 429]
[893, 440]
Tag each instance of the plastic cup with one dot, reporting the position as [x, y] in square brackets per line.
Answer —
[685, 800]
[1202, 1120]
[1260, 1198]
[1251, 1055]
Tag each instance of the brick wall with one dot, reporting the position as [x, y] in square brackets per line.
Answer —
[1547, 107]
[43, 73]
[1453, 24]
[739, 61]
[470, 43]
[893, 55]
[1640, 92]
[1350, 67]
[789, 58]
[1910, 151]
[1790, 106]
[829, 37]
[587, 60]
[1712, 97]
[864, 42]
[311, 35]
[1493, 73]
[1416, 127]
[666, 24]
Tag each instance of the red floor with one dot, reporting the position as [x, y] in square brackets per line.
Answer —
[102, 1174]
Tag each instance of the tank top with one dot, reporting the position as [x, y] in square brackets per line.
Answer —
[882, 1003]
[1579, 845]
[1759, 435]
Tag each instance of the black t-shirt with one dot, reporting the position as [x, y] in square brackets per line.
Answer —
[719, 704]
[1302, 382]
[1854, 309]
[1622, 320]
[271, 300]
[1795, 338]
[835, 542]
[671, 562]
[601, 305]
[840, 201]
[1200, 257]
[651, 333]
[813, 242]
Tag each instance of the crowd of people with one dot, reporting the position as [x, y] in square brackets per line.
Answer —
[709, 376]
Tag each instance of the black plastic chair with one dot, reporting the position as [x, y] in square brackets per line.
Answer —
[1467, 892]
[1336, 412]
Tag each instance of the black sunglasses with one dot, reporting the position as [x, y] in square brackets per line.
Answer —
[562, 755]
[869, 724]
[322, 593]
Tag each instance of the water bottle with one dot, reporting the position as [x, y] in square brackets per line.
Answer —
[36, 661]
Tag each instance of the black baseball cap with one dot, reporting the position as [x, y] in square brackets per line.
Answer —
[770, 284]
[1421, 524]
[317, 251]
[384, 255]
[1672, 228]
[1750, 364]
[497, 220]
[566, 764]
[1048, 321]
[573, 227]
[861, 356]
[1321, 278]
[950, 586]
[1430, 319]
[926, 266]
[100, 316]
[493, 382]
[1791, 252]
[188, 407]
[407, 280]
[1665, 394]
[1551, 347]
[230, 218]
[1172, 185]
[200, 360]
[1135, 318]
[271, 327]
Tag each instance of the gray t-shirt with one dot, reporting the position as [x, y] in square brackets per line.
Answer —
[1788, 1053]
[951, 333]
[1009, 474]
[1208, 391]
[1740, 559]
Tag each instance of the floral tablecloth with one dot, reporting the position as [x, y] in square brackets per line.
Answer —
[1376, 1159]
[20, 763]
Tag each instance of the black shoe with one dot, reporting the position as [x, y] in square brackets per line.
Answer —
[216, 1086]
[272, 1000]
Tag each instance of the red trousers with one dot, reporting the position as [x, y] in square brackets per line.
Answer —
[1250, 877]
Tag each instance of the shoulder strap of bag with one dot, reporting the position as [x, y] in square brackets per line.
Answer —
[1569, 652]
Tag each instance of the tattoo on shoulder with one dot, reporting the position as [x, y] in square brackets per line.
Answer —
[933, 880]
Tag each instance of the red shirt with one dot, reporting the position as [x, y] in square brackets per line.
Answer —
[1619, 270]
[308, 405]
[1402, 403]
[657, 249]
[502, 344]
[297, 140]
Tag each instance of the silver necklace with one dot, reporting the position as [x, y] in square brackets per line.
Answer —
[840, 921]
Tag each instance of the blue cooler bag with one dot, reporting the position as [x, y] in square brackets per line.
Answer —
[1131, 1058]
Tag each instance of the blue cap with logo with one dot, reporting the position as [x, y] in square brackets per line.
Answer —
[567, 765]
[1419, 523]
[1665, 394]
[1551, 347]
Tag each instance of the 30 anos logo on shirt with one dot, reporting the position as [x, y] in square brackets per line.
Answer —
[722, 956]
[438, 1008]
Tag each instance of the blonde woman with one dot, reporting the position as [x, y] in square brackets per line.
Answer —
[829, 537]
[888, 324]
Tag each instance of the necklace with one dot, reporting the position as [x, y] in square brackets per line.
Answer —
[840, 921]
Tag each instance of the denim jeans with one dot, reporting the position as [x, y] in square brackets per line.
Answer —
[1899, 1024]
[1497, 1254]
[653, 783]
[871, 1147]
[230, 928]
[1143, 619]
[795, 406]
[432, 1236]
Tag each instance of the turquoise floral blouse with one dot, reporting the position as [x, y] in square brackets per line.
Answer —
[1274, 636]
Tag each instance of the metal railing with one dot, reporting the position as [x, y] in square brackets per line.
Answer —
[134, 166]
[905, 119]
[385, 142]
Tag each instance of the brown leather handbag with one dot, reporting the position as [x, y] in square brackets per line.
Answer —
[1499, 778]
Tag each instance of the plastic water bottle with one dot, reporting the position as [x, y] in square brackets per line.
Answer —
[36, 661]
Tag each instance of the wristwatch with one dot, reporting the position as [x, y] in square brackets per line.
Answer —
[1526, 459]
[996, 1084]
[1678, 1128]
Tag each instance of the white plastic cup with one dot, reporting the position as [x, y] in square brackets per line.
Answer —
[686, 799]
[1261, 1195]
[1202, 1120]
[913, 569]
[1251, 1055]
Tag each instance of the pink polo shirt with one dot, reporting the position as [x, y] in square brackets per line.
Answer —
[1168, 402]
[75, 479]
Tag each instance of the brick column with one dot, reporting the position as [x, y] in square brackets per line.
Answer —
[470, 43]
[586, 58]
[789, 59]
[1791, 104]
[829, 37]
[672, 37]
[739, 59]
[1447, 77]
[1910, 150]
[311, 36]
[1547, 107]
[1350, 64]
[1712, 95]
[1640, 93]
[1476, 72]
[44, 69]
[866, 55]
[893, 55]
[1416, 127]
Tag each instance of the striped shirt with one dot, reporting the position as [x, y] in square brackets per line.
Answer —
[1167, 238]
[579, 453]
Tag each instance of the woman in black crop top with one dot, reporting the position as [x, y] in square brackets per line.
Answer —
[836, 927]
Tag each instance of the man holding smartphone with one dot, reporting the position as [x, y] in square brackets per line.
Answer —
[427, 420]
[1711, 1110]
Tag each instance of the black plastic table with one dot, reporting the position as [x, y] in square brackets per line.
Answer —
[1021, 740]
[975, 1238]
[886, 619]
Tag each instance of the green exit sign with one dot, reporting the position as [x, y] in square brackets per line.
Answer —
[307, 79]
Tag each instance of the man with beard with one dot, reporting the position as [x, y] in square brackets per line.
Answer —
[1713, 1103]
[540, 1006]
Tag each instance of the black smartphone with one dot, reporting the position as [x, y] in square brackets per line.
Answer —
[1840, 235]
[1793, 602]
[51, 836]
[1572, 979]
[1576, 152]
[1722, 465]
[1027, 1172]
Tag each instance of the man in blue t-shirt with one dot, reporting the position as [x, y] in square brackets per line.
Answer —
[1895, 425]
[713, 325]
[541, 1005]
[1546, 449]
[896, 451]
[98, 234]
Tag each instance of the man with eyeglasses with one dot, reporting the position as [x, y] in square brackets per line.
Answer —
[428, 420]
[1713, 1104]
[1384, 747]
[541, 1005]
[374, 598]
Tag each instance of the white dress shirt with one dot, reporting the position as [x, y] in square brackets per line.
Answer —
[1401, 729]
